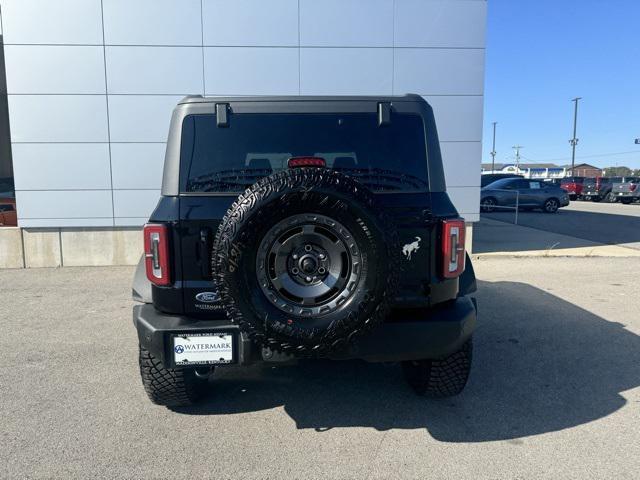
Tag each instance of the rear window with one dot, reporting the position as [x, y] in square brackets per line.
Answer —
[392, 157]
[568, 180]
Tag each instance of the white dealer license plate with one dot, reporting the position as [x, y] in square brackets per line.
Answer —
[203, 348]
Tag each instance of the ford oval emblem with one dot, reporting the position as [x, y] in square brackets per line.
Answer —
[208, 297]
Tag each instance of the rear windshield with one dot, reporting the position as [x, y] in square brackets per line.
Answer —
[391, 157]
[567, 180]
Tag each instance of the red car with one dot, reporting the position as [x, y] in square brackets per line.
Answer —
[573, 186]
[8, 214]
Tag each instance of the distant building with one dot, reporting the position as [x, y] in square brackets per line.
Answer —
[585, 170]
[528, 170]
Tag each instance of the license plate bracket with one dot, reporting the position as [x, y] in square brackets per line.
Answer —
[210, 348]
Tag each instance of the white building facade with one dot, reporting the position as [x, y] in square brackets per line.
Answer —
[91, 84]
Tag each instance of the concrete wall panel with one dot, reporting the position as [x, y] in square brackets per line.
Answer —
[52, 22]
[250, 23]
[346, 71]
[58, 118]
[94, 247]
[152, 22]
[54, 69]
[251, 71]
[341, 23]
[61, 166]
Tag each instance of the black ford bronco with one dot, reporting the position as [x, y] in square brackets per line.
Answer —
[303, 227]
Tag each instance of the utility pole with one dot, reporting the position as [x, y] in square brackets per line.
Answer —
[517, 149]
[493, 149]
[574, 140]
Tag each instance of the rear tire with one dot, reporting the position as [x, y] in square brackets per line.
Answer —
[626, 201]
[438, 378]
[167, 386]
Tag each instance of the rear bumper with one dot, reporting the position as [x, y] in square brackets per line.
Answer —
[592, 193]
[436, 333]
[626, 194]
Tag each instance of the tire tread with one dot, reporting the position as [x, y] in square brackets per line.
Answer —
[166, 386]
[444, 377]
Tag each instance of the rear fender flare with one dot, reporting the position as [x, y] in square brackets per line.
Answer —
[467, 283]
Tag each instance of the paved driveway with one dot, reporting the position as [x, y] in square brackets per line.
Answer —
[586, 222]
[554, 391]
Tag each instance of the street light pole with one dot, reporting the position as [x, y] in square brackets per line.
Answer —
[574, 140]
[493, 149]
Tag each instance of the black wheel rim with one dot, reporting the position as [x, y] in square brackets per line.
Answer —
[552, 205]
[308, 265]
[488, 204]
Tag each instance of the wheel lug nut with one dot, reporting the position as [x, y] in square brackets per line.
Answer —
[321, 256]
[308, 279]
[295, 256]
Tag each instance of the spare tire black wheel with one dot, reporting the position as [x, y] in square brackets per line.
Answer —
[304, 261]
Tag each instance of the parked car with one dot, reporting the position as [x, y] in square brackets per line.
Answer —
[627, 191]
[598, 188]
[528, 194]
[488, 178]
[8, 214]
[573, 186]
[273, 240]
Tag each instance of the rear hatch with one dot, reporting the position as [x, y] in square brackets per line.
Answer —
[219, 161]
[629, 186]
[592, 186]
[572, 185]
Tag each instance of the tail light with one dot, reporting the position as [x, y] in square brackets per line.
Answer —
[156, 253]
[306, 162]
[453, 257]
[632, 187]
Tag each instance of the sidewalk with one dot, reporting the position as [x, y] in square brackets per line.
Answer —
[496, 238]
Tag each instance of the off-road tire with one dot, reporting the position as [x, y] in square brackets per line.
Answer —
[169, 387]
[282, 195]
[438, 378]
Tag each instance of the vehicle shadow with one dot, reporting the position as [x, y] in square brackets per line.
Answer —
[496, 232]
[543, 366]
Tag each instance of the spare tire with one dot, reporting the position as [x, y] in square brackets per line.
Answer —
[304, 261]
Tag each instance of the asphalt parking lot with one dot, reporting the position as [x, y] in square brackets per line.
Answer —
[587, 223]
[554, 391]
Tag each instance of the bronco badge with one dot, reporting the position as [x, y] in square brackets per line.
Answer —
[409, 248]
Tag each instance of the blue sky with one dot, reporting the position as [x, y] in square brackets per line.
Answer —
[543, 53]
